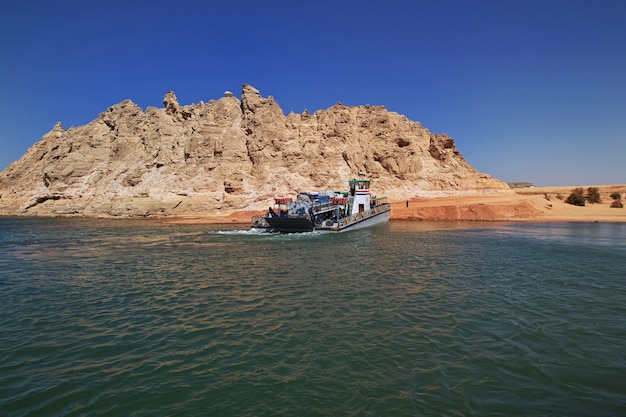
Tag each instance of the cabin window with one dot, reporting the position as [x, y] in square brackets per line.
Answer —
[361, 208]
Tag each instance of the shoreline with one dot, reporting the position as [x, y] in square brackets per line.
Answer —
[535, 204]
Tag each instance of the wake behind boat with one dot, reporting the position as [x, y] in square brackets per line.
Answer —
[334, 211]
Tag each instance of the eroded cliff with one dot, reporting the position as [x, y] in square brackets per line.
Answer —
[227, 155]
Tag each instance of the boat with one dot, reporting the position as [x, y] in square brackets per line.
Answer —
[327, 210]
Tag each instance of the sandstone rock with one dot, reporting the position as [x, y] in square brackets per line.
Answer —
[228, 155]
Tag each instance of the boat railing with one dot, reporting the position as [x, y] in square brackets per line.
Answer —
[365, 214]
[322, 207]
[355, 218]
[340, 200]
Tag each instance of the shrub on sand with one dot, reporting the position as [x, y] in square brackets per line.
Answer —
[617, 200]
[593, 195]
[576, 198]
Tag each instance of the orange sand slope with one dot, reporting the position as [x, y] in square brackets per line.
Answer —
[524, 204]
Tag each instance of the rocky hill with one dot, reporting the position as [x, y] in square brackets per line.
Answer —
[228, 155]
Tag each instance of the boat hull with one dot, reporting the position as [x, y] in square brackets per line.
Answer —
[353, 222]
[367, 222]
[290, 224]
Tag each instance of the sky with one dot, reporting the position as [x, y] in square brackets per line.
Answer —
[530, 90]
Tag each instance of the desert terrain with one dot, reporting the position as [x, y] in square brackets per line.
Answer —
[232, 156]
[524, 204]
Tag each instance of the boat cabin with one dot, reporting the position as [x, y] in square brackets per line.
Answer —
[359, 195]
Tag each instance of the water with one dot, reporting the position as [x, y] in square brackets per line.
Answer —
[111, 318]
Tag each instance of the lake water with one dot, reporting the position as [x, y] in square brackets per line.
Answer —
[112, 318]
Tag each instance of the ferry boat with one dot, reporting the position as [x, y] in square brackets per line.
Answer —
[334, 211]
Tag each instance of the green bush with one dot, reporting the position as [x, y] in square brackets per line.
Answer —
[593, 195]
[616, 196]
[576, 197]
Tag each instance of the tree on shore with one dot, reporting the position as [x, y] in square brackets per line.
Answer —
[577, 197]
[617, 200]
[593, 195]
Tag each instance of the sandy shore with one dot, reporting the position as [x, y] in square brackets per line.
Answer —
[523, 204]
[537, 204]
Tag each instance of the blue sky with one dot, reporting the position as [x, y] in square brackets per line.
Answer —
[530, 90]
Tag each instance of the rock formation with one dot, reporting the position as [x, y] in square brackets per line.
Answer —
[228, 155]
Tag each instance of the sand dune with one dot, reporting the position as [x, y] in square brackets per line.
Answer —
[524, 204]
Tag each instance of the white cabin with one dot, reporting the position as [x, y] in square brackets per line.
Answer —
[359, 195]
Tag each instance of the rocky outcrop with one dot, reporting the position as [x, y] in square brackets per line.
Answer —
[228, 155]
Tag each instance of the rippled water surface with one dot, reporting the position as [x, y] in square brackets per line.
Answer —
[404, 319]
